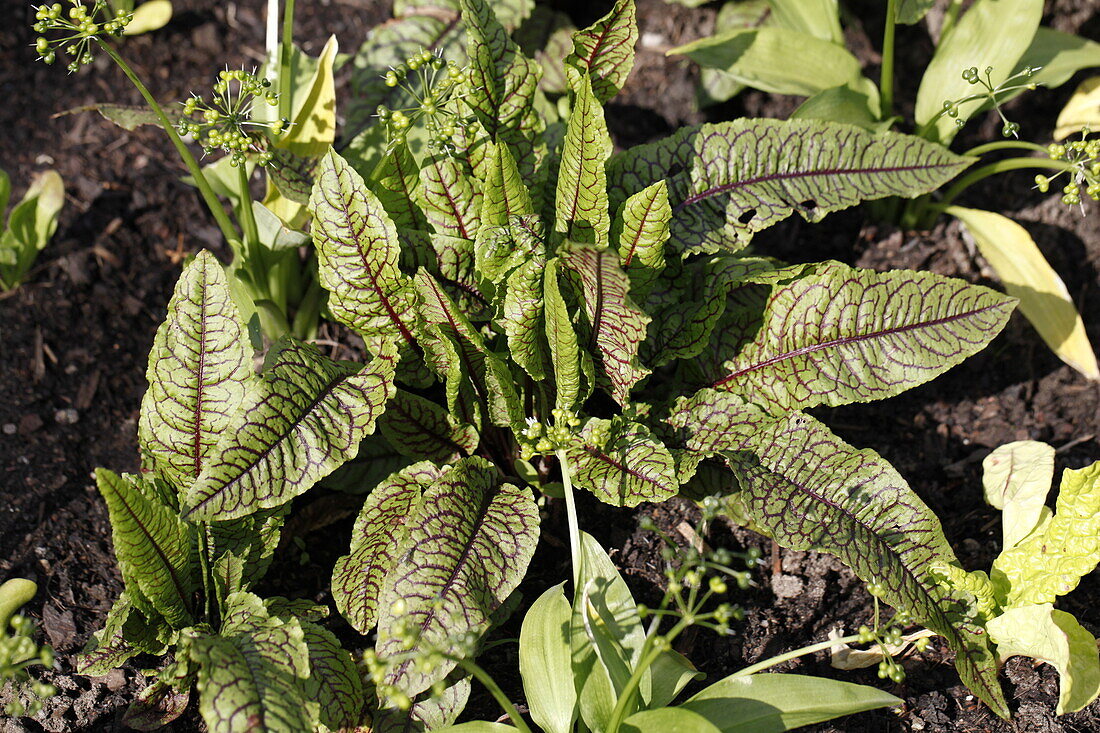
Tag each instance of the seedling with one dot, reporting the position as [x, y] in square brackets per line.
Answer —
[18, 651]
[31, 225]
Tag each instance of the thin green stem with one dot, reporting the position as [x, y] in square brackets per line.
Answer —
[498, 694]
[650, 652]
[1004, 145]
[886, 78]
[248, 219]
[228, 230]
[780, 658]
[286, 62]
[949, 18]
[1001, 166]
[571, 518]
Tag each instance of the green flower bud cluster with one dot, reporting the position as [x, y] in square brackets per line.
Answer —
[539, 439]
[1083, 159]
[431, 85]
[17, 652]
[991, 94]
[227, 124]
[74, 32]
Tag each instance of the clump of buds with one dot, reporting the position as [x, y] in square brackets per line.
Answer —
[74, 32]
[992, 94]
[431, 85]
[1082, 158]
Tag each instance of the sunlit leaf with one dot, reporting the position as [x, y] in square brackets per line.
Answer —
[622, 463]
[1016, 478]
[605, 50]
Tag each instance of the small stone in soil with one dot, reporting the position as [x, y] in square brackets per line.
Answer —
[68, 416]
[787, 586]
[9, 428]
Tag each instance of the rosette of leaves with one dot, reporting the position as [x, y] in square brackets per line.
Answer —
[208, 421]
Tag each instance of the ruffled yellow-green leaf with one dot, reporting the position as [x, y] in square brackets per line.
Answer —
[1017, 478]
[1082, 110]
[1027, 275]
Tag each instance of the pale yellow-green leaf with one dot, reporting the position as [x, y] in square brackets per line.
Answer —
[1054, 637]
[1027, 275]
[842, 656]
[1082, 109]
[1017, 478]
[818, 18]
[149, 16]
[544, 662]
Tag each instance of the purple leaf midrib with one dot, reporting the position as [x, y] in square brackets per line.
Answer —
[196, 437]
[156, 547]
[716, 190]
[848, 340]
[601, 456]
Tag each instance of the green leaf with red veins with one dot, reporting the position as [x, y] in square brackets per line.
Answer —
[377, 543]
[502, 249]
[730, 180]
[447, 357]
[251, 540]
[622, 463]
[292, 175]
[396, 183]
[810, 490]
[844, 335]
[469, 543]
[151, 548]
[335, 686]
[252, 674]
[566, 356]
[605, 50]
[642, 228]
[126, 633]
[357, 258]
[304, 418]
[419, 428]
[155, 707]
[522, 316]
[427, 713]
[198, 368]
[490, 379]
[580, 203]
[505, 193]
[614, 325]
[455, 267]
[448, 198]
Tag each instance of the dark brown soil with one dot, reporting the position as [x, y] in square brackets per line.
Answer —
[74, 340]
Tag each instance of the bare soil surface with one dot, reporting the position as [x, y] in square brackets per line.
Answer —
[74, 339]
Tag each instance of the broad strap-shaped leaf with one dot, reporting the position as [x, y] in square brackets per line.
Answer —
[522, 317]
[419, 428]
[357, 257]
[605, 50]
[566, 356]
[622, 463]
[545, 662]
[448, 197]
[335, 685]
[302, 419]
[198, 369]
[1064, 548]
[642, 225]
[150, 545]
[615, 325]
[809, 490]
[469, 543]
[252, 674]
[505, 195]
[396, 183]
[911, 11]
[580, 203]
[377, 543]
[843, 335]
[730, 180]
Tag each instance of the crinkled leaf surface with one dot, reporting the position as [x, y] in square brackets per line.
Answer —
[396, 183]
[810, 490]
[642, 225]
[335, 685]
[198, 369]
[730, 180]
[419, 428]
[126, 633]
[581, 206]
[469, 543]
[302, 419]
[505, 196]
[522, 317]
[622, 463]
[448, 197]
[1016, 478]
[843, 335]
[605, 50]
[561, 335]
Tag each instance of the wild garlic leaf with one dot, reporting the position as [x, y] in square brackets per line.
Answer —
[614, 325]
[622, 463]
[730, 180]
[506, 195]
[469, 543]
[396, 183]
[809, 490]
[151, 548]
[448, 198]
[605, 50]
[911, 11]
[1051, 561]
[642, 228]
[357, 258]
[334, 688]
[198, 369]
[303, 418]
[581, 206]
[377, 543]
[843, 335]
[569, 361]
[419, 428]
[252, 674]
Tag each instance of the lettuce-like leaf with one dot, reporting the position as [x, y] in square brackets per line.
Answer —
[1016, 478]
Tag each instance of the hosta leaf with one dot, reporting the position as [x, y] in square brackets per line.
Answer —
[150, 547]
[615, 325]
[581, 200]
[357, 257]
[842, 335]
[1016, 478]
[252, 674]
[622, 463]
[419, 428]
[505, 194]
[1052, 560]
[565, 352]
[605, 50]
[809, 490]
[448, 198]
[377, 543]
[198, 369]
[396, 183]
[302, 419]
[468, 545]
[730, 180]
[335, 685]
[642, 225]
